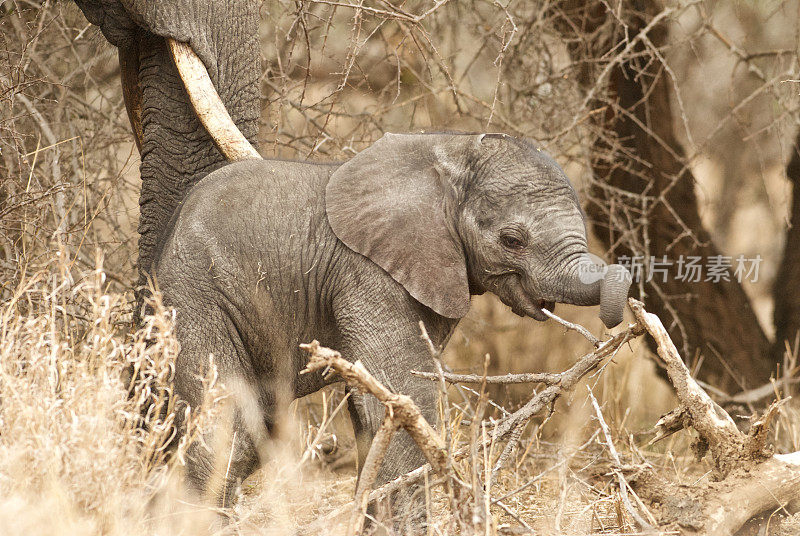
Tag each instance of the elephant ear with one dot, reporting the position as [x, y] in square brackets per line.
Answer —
[388, 204]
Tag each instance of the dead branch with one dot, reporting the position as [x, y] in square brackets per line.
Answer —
[568, 380]
[401, 412]
[399, 406]
[752, 480]
[528, 377]
[561, 383]
[367, 477]
[715, 426]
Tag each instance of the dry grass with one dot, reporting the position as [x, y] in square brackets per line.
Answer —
[74, 452]
[71, 448]
[73, 456]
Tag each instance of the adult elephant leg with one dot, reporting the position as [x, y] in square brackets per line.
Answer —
[176, 152]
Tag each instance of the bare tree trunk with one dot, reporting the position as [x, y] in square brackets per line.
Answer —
[787, 283]
[636, 152]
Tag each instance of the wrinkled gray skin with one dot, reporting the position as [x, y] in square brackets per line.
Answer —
[265, 255]
[177, 151]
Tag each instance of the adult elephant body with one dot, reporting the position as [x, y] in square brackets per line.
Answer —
[176, 149]
[264, 255]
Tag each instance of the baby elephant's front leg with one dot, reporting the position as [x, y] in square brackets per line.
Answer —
[367, 414]
[391, 364]
[405, 510]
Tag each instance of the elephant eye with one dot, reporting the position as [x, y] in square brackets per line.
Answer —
[512, 241]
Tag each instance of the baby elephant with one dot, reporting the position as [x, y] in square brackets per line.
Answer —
[266, 254]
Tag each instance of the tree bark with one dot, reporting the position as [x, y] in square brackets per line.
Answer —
[787, 282]
[637, 152]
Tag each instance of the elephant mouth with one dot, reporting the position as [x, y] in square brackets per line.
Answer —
[533, 308]
[512, 292]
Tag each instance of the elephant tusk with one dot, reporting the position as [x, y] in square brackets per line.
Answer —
[131, 92]
[207, 104]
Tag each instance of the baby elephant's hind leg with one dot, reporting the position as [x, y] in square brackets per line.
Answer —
[224, 453]
[217, 465]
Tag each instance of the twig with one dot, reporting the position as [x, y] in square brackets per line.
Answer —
[514, 515]
[755, 394]
[367, 477]
[506, 453]
[574, 327]
[531, 377]
[623, 483]
[396, 14]
[491, 402]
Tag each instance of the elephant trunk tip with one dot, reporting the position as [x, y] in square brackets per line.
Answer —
[614, 295]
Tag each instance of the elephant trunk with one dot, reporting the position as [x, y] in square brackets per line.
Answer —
[614, 295]
[595, 283]
[190, 76]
